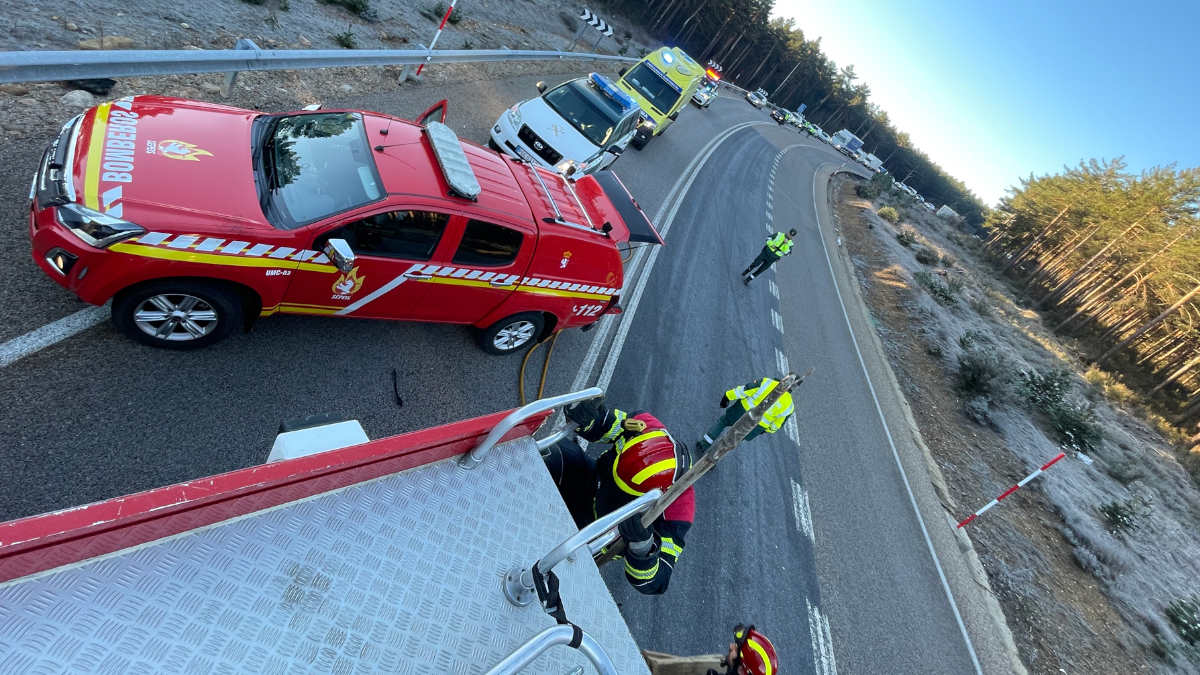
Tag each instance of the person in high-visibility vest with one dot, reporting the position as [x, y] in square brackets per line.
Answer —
[643, 456]
[748, 396]
[777, 246]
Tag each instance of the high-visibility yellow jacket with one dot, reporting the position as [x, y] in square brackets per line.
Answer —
[753, 393]
[779, 244]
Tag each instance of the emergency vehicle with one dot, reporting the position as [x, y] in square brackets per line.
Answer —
[662, 83]
[196, 218]
[436, 551]
[707, 90]
[581, 125]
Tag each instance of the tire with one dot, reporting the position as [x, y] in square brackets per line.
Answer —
[511, 334]
[178, 314]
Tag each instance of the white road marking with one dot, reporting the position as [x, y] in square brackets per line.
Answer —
[793, 430]
[643, 256]
[781, 360]
[774, 288]
[767, 226]
[777, 320]
[802, 512]
[693, 170]
[822, 642]
[40, 338]
[912, 500]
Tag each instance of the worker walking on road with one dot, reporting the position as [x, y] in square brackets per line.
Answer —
[748, 396]
[777, 246]
[643, 457]
[751, 653]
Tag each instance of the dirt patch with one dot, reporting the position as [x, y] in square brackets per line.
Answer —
[1077, 597]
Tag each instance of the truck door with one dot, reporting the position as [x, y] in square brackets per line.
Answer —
[483, 269]
[387, 245]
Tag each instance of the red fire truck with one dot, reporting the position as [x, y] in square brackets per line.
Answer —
[196, 218]
[414, 553]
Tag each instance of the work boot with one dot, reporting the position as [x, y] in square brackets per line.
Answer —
[748, 279]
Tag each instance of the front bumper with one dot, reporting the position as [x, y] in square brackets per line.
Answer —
[504, 136]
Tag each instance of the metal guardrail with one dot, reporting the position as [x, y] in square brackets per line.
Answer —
[51, 66]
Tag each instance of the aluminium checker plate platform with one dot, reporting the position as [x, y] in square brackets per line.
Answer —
[398, 574]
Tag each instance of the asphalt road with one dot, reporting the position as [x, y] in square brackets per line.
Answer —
[98, 415]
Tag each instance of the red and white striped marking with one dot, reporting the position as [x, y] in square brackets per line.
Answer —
[1012, 489]
[438, 34]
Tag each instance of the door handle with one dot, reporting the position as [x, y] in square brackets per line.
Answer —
[500, 282]
[417, 276]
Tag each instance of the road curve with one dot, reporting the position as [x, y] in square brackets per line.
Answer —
[97, 415]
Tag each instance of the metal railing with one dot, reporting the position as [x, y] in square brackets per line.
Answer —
[525, 655]
[518, 582]
[473, 458]
[46, 66]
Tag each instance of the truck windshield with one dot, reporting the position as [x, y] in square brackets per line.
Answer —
[647, 81]
[592, 114]
[313, 166]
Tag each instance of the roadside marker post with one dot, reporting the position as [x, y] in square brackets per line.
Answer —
[592, 19]
[1011, 490]
[437, 35]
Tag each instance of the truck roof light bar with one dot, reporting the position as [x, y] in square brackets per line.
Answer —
[453, 161]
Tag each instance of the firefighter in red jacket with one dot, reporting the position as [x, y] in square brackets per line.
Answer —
[643, 456]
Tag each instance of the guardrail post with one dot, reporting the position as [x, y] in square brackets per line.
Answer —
[409, 72]
[231, 78]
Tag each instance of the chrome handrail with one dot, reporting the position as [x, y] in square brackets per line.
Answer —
[473, 458]
[518, 582]
[561, 634]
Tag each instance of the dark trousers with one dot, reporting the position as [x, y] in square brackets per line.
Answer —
[766, 258]
[728, 417]
[575, 475]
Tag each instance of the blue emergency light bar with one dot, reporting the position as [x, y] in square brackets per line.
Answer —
[612, 91]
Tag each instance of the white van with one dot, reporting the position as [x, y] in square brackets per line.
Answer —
[586, 122]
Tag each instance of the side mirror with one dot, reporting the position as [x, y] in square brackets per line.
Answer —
[674, 115]
[339, 253]
[541, 87]
[621, 72]
[312, 107]
[615, 149]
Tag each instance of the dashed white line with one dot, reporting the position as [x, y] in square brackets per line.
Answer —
[767, 226]
[802, 512]
[793, 430]
[774, 288]
[40, 338]
[782, 361]
[822, 643]
[777, 320]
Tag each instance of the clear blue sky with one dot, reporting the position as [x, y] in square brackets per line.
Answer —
[993, 91]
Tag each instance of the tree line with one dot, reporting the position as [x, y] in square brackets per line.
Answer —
[1112, 258]
[756, 51]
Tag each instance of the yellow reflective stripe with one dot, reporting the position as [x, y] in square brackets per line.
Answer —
[644, 437]
[762, 654]
[654, 468]
[622, 484]
[184, 255]
[91, 175]
[452, 281]
[614, 430]
[641, 575]
[669, 546]
[307, 309]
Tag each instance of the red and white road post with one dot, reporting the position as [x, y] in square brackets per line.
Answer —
[1012, 489]
[436, 35]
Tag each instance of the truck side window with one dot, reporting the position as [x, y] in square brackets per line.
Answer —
[412, 235]
[487, 244]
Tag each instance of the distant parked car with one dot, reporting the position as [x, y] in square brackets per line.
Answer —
[780, 115]
[757, 98]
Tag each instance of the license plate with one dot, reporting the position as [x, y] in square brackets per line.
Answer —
[524, 154]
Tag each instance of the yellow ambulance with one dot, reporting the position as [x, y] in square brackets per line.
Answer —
[661, 83]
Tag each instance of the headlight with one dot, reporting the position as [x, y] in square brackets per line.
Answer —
[94, 228]
[514, 115]
[647, 124]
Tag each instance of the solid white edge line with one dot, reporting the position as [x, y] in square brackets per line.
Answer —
[675, 201]
[55, 331]
[601, 337]
[887, 432]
